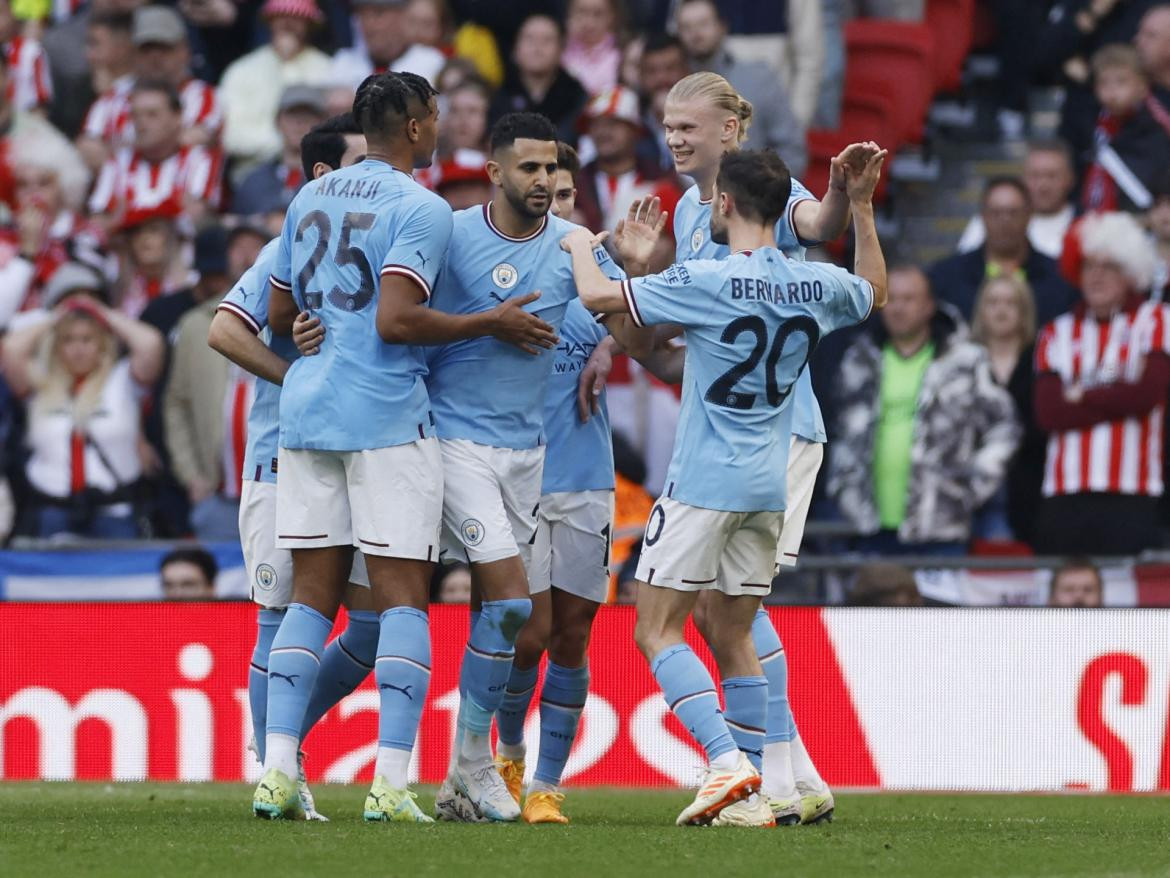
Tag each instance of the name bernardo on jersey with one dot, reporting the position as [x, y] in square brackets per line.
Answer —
[752, 289]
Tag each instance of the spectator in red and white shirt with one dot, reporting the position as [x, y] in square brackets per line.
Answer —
[153, 261]
[611, 182]
[109, 51]
[29, 86]
[1103, 377]
[48, 226]
[159, 172]
[162, 53]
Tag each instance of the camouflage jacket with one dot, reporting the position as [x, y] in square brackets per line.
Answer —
[965, 435]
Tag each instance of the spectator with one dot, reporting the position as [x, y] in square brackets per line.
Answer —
[1005, 324]
[464, 122]
[591, 52]
[1102, 379]
[13, 123]
[48, 228]
[109, 49]
[1131, 148]
[270, 187]
[29, 87]
[1060, 49]
[162, 54]
[1158, 221]
[1006, 210]
[428, 23]
[537, 82]
[188, 575]
[663, 63]
[159, 173]
[789, 37]
[1153, 45]
[455, 585]
[153, 264]
[252, 86]
[463, 180]
[1050, 179]
[608, 184]
[925, 434]
[881, 584]
[628, 72]
[1077, 583]
[83, 433]
[205, 406]
[385, 46]
[703, 32]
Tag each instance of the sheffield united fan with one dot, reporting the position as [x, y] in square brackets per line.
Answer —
[1102, 378]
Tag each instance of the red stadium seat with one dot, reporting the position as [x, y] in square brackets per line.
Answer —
[953, 24]
[867, 113]
[900, 56]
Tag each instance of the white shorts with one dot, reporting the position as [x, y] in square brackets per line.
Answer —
[269, 569]
[385, 501]
[571, 550]
[689, 548]
[804, 462]
[491, 500]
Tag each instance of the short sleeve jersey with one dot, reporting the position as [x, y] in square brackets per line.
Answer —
[248, 300]
[482, 389]
[692, 232]
[341, 234]
[750, 321]
[579, 455]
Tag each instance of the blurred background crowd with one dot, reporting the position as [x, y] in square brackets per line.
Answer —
[1010, 400]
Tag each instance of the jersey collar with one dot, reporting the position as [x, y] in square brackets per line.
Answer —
[487, 215]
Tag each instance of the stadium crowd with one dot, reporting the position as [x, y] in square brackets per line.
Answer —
[1013, 392]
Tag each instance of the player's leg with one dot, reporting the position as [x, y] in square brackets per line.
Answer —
[580, 569]
[489, 508]
[269, 571]
[400, 541]
[312, 520]
[531, 643]
[788, 770]
[530, 646]
[745, 577]
[349, 657]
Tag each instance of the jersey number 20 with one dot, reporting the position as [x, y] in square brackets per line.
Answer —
[722, 391]
[346, 254]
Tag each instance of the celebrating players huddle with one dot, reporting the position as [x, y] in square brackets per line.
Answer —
[424, 420]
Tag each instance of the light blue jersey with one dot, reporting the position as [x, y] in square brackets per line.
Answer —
[482, 389]
[692, 232]
[248, 300]
[751, 321]
[579, 456]
[342, 232]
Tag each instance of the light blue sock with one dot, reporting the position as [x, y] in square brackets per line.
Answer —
[267, 623]
[769, 649]
[487, 664]
[561, 701]
[403, 672]
[293, 664]
[690, 692]
[745, 710]
[514, 706]
[347, 660]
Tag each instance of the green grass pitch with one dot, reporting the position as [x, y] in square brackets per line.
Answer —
[49, 830]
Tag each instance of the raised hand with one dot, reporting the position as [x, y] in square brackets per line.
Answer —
[636, 236]
[512, 324]
[307, 334]
[861, 183]
[855, 156]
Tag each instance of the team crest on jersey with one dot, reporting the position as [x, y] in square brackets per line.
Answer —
[696, 240]
[266, 577]
[472, 531]
[505, 276]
